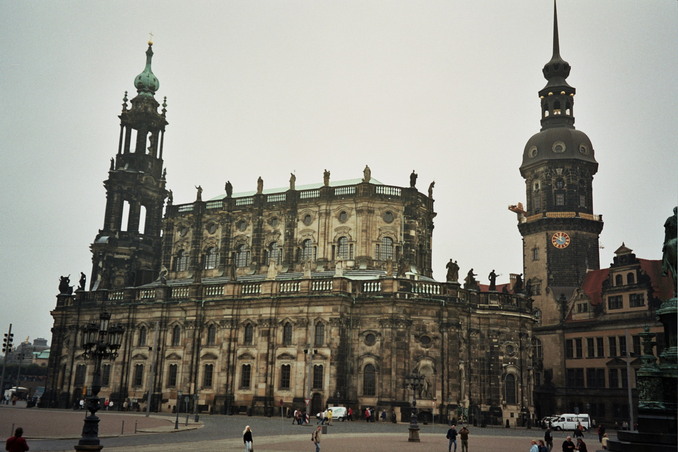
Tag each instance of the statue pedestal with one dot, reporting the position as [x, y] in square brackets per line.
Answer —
[414, 434]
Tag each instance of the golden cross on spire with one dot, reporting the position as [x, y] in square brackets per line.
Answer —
[150, 39]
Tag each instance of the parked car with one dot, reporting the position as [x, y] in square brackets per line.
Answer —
[338, 413]
[546, 419]
[570, 421]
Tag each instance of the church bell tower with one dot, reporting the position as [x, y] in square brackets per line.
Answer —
[126, 251]
[559, 228]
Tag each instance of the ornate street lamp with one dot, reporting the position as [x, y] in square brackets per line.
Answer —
[99, 342]
[415, 383]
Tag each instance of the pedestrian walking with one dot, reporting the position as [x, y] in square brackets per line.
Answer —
[542, 446]
[581, 445]
[463, 435]
[568, 445]
[16, 443]
[533, 446]
[247, 439]
[601, 432]
[329, 417]
[452, 436]
[315, 437]
[604, 441]
[548, 439]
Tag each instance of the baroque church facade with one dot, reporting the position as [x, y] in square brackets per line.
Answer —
[299, 297]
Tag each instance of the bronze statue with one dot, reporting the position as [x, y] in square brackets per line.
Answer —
[64, 285]
[260, 186]
[470, 280]
[452, 271]
[670, 256]
[367, 174]
[430, 189]
[198, 196]
[229, 189]
[326, 178]
[293, 181]
[518, 285]
[83, 280]
[413, 179]
[493, 280]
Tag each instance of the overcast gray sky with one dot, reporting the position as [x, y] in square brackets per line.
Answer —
[265, 88]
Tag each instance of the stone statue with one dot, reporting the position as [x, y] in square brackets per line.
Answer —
[413, 179]
[518, 285]
[260, 186]
[493, 280]
[293, 181]
[402, 267]
[367, 174]
[452, 271]
[470, 280]
[112, 164]
[430, 189]
[326, 178]
[229, 189]
[198, 196]
[170, 198]
[64, 285]
[670, 256]
[83, 280]
[162, 277]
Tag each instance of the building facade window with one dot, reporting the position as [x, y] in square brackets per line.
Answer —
[287, 334]
[590, 348]
[318, 376]
[343, 248]
[510, 389]
[600, 347]
[630, 279]
[207, 373]
[138, 379]
[622, 345]
[142, 337]
[614, 302]
[176, 336]
[369, 380]
[613, 376]
[636, 345]
[245, 376]
[181, 261]
[242, 256]
[618, 280]
[612, 344]
[319, 337]
[538, 351]
[285, 373]
[80, 373]
[535, 254]
[636, 300]
[211, 258]
[575, 378]
[105, 375]
[386, 249]
[595, 378]
[211, 335]
[172, 373]
[249, 334]
[274, 254]
[307, 251]
[560, 199]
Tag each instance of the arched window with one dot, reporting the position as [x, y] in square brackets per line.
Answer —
[142, 336]
[211, 257]
[181, 261]
[274, 253]
[211, 335]
[537, 351]
[307, 251]
[249, 334]
[246, 376]
[369, 381]
[176, 336]
[318, 376]
[287, 334]
[242, 256]
[386, 249]
[172, 375]
[344, 249]
[510, 389]
[138, 375]
[319, 334]
[630, 279]
[208, 371]
[618, 280]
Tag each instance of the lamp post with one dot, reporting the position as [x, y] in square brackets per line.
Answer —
[177, 408]
[413, 382]
[99, 342]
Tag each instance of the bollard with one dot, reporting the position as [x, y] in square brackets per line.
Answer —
[122, 429]
[11, 432]
[135, 427]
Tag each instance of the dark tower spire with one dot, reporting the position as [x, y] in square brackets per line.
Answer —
[126, 252]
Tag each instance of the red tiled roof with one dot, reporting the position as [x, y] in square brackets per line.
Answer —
[593, 285]
[662, 286]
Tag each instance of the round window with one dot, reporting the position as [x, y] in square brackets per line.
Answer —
[559, 147]
[583, 149]
[425, 341]
[389, 217]
[370, 339]
[241, 225]
[308, 219]
[533, 151]
[343, 216]
[510, 350]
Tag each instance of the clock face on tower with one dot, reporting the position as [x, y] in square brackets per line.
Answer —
[560, 240]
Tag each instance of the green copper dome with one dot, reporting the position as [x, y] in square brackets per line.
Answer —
[147, 83]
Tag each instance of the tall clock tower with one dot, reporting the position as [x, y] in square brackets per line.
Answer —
[560, 231]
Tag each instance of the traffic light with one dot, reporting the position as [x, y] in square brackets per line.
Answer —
[7, 342]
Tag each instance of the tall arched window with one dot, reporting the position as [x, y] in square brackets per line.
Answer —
[618, 280]
[369, 380]
[142, 337]
[249, 334]
[211, 335]
[630, 279]
[318, 376]
[245, 376]
[181, 261]
[285, 373]
[242, 256]
[287, 334]
[344, 249]
[176, 336]
[510, 389]
[319, 334]
[172, 373]
[211, 257]
[208, 371]
[274, 254]
[307, 251]
[386, 249]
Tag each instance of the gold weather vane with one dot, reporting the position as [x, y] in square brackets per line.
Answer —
[150, 39]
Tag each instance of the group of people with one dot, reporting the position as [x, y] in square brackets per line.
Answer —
[452, 437]
[546, 445]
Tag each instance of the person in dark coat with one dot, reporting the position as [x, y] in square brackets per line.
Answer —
[568, 445]
[16, 443]
[581, 445]
[247, 438]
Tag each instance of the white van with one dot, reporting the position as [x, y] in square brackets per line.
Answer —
[338, 413]
[570, 421]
